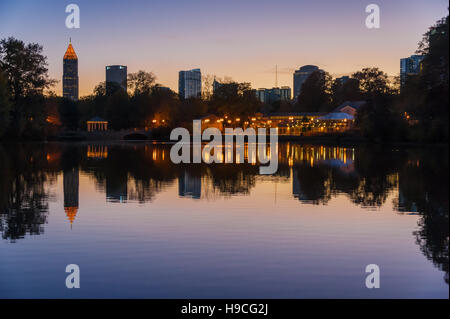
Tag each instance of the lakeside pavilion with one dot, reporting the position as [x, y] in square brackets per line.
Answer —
[97, 124]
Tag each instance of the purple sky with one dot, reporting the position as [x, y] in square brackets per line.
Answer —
[242, 39]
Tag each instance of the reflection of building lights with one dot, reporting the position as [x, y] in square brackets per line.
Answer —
[229, 121]
[238, 119]
[97, 151]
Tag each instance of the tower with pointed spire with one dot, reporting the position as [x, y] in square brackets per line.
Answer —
[70, 73]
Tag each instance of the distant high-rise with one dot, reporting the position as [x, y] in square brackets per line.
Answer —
[117, 74]
[274, 94]
[70, 74]
[285, 93]
[343, 79]
[190, 84]
[300, 76]
[261, 95]
[410, 66]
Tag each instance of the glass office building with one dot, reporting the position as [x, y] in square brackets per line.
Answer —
[190, 84]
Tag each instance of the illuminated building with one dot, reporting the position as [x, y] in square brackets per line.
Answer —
[350, 107]
[70, 74]
[97, 124]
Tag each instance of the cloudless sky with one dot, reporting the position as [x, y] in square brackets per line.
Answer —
[243, 39]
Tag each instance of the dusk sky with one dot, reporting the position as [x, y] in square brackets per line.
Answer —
[241, 39]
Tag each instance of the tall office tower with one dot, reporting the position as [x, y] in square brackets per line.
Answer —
[116, 74]
[285, 93]
[272, 95]
[260, 95]
[70, 74]
[300, 76]
[190, 84]
[410, 66]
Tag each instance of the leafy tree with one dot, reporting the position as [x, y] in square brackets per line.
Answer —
[372, 82]
[207, 86]
[25, 68]
[164, 105]
[234, 99]
[433, 82]
[380, 122]
[117, 110]
[141, 82]
[349, 91]
[5, 105]
[315, 95]
[69, 113]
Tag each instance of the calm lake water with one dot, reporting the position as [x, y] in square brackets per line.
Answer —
[139, 226]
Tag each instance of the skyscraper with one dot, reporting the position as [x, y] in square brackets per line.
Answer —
[285, 93]
[117, 74]
[261, 94]
[300, 76]
[409, 66]
[190, 84]
[274, 94]
[70, 74]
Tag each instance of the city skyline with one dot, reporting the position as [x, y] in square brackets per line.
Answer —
[219, 47]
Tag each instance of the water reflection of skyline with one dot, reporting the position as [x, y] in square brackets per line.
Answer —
[127, 173]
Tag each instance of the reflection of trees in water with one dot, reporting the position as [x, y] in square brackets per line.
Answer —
[312, 184]
[132, 172]
[23, 197]
[423, 189]
[376, 168]
[367, 179]
[233, 179]
[138, 172]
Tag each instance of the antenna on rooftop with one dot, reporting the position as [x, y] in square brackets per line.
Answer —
[276, 75]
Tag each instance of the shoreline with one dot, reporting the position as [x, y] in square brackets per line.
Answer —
[314, 140]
